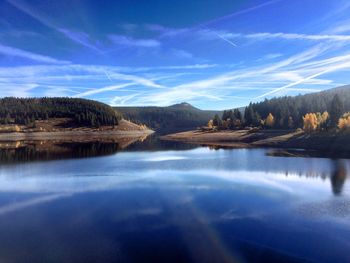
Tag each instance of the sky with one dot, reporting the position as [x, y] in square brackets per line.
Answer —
[214, 54]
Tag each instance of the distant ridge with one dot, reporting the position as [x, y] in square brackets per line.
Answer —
[175, 118]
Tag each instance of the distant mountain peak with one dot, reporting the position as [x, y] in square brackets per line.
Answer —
[183, 105]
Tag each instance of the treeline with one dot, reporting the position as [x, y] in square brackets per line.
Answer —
[25, 111]
[321, 110]
[165, 120]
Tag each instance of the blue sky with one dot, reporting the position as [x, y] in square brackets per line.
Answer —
[215, 54]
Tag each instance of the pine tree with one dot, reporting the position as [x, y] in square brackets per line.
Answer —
[336, 110]
[249, 115]
[237, 115]
[217, 121]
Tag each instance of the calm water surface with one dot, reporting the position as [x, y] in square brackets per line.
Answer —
[173, 204]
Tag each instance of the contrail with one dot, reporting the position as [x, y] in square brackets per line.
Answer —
[25, 8]
[340, 66]
[225, 39]
[241, 12]
[107, 75]
[219, 36]
[204, 25]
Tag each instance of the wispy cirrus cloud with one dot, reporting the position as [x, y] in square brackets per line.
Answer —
[303, 68]
[133, 42]
[291, 36]
[101, 90]
[15, 52]
[208, 34]
[80, 38]
[76, 80]
[344, 64]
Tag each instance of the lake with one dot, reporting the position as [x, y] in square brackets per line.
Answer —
[168, 202]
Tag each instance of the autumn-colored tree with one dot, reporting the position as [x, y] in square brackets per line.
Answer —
[325, 120]
[270, 120]
[310, 122]
[344, 122]
[318, 117]
[325, 116]
[210, 124]
[225, 124]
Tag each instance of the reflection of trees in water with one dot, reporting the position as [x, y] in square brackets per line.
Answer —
[153, 143]
[24, 151]
[338, 177]
[51, 151]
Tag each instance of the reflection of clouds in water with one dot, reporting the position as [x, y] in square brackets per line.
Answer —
[164, 158]
[31, 202]
[167, 178]
[68, 185]
[235, 214]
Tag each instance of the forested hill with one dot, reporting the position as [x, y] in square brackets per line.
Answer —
[335, 101]
[164, 120]
[82, 112]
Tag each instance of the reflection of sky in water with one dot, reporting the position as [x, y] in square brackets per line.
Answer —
[231, 204]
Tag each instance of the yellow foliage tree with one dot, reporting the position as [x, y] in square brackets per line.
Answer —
[310, 122]
[210, 124]
[344, 122]
[325, 117]
[270, 120]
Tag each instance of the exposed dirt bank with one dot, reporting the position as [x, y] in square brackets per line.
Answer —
[323, 141]
[55, 130]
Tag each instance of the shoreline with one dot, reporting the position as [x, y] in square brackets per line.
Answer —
[72, 135]
[54, 130]
[284, 139]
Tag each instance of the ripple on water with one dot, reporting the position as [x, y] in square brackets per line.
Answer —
[333, 208]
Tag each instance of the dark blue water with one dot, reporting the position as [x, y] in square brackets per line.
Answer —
[191, 205]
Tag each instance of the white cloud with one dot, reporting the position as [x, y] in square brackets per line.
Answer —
[301, 68]
[103, 89]
[291, 36]
[209, 34]
[133, 42]
[181, 53]
[15, 52]
[70, 80]
[81, 38]
[122, 100]
[17, 89]
[78, 37]
[329, 69]
[271, 56]
[342, 28]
